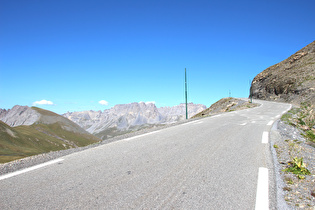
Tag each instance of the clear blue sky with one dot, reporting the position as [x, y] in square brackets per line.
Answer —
[75, 53]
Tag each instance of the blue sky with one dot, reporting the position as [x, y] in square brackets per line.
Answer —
[76, 53]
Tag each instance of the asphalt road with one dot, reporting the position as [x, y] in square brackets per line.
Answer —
[211, 163]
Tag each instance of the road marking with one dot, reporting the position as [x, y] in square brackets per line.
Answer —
[30, 169]
[262, 195]
[270, 122]
[253, 121]
[244, 123]
[278, 116]
[216, 115]
[264, 138]
[146, 134]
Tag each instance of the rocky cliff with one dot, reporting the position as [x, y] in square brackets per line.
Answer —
[292, 80]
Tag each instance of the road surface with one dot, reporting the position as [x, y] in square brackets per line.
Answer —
[213, 163]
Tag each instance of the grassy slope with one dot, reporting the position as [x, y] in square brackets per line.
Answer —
[22, 141]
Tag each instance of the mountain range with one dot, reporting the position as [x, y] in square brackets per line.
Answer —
[123, 118]
[26, 131]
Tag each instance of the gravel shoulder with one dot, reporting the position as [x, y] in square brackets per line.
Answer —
[287, 143]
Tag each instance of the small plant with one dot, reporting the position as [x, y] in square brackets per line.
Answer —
[297, 167]
[287, 189]
[275, 146]
[300, 176]
[310, 135]
[307, 115]
[289, 181]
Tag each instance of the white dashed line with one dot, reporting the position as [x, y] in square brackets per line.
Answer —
[244, 123]
[262, 195]
[264, 138]
[30, 169]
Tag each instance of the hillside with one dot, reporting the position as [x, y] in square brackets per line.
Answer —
[291, 80]
[50, 132]
[225, 105]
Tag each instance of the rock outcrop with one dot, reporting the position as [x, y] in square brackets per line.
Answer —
[19, 115]
[292, 80]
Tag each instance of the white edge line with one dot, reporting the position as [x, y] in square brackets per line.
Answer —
[30, 169]
[262, 194]
[270, 122]
[264, 138]
[146, 134]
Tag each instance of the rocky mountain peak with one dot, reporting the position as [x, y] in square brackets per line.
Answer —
[19, 115]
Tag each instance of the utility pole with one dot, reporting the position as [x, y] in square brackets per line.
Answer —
[186, 94]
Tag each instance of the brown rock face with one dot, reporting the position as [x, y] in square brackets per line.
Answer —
[292, 80]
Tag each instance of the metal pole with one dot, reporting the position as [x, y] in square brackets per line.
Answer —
[186, 94]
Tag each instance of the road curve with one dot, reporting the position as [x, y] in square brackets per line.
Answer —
[211, 163]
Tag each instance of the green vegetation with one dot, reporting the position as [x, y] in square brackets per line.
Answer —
[43, 111]
[23, 141]
[289, 180]
[303, 118]
[298, 167]
[310, 136]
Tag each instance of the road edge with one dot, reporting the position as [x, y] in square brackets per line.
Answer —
[278, 182]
